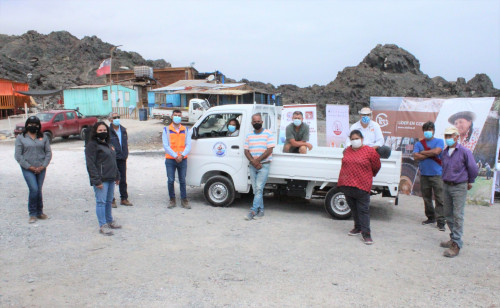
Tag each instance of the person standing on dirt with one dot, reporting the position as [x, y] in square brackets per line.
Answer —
[100, 156]
[459, 172]
[360, 165]
[372, 133]
[119, 139]
[177, 144]
[428, 154]
[33, 153]
[259, 145]
[297, 135]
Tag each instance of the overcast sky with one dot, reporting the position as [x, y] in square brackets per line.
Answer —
[281, 42]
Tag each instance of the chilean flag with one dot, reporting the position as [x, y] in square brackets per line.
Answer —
[105, 67]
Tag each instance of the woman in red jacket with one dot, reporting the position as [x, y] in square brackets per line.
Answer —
[359, 165]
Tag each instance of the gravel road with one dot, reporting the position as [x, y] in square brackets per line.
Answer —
[297, 256]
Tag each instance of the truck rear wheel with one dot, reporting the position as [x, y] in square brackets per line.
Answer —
[49, 136]
[219, 191]
[336, 204]
[83, 133]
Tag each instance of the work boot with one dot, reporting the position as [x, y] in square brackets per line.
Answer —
[171, 203]
[105, 230]
[32, 219]
[452, 251]
[446, 244]
[42, 216]
[114, 225]
[185, 204]
[113, 204]
[126, 202]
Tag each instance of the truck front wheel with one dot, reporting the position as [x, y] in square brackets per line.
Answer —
[49, 136]
[336, 204]
[219, 191]
[83, 133]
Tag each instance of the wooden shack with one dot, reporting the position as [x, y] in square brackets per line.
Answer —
[12, 102]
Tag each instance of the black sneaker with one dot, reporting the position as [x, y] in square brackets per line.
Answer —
[428, 221]
[354, 232]
[367, 239]
[441, 227]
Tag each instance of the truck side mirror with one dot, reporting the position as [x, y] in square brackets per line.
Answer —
[195, 133]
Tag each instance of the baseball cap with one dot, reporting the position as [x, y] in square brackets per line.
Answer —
[452, 130]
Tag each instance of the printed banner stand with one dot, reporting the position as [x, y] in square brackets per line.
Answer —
[337, 125]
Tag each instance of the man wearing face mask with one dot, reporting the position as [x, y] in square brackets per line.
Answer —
[177, 144]
[297, 135]
[258, 147]
[372, 133]
[119, 139]
[428, 153]
[459, 172]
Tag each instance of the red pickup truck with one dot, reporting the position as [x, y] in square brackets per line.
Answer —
[62, 123]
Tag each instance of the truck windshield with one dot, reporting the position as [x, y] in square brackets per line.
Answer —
[205, 105]
[45, 117]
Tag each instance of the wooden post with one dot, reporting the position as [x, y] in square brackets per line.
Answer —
[236, 99]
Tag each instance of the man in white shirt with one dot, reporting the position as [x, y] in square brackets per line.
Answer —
[372, 134]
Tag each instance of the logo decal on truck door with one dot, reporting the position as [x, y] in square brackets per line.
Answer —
[219, 149]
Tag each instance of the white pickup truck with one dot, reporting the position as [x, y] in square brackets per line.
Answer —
[197, 107]
[218, 161]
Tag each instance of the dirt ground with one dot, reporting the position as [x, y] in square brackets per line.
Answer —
[296, 256]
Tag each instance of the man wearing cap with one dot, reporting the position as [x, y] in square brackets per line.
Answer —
[297, 135]
[372, 134]
[464, 122]
[459, 172]
[428, 154]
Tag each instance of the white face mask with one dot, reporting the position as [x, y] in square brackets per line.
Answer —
[356, 143]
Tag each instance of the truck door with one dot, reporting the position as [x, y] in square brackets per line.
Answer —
[71, 124]
[58, 126]
[216, 150]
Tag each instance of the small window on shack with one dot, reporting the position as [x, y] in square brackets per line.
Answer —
[127, 96]
[104, 95]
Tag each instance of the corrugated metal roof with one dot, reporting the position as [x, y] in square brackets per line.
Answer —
[183, 84]
[213, 91]
[89, 86]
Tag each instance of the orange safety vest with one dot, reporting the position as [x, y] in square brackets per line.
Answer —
[177, 140]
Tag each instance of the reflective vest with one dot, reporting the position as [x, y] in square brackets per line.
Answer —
[177, 140]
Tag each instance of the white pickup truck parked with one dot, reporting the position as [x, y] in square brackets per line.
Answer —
[218, 161]
[197, 107]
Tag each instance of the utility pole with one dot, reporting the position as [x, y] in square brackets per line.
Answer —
[111, 51]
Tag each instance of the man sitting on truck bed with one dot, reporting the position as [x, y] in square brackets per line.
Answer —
[372, 133]
[297, 135]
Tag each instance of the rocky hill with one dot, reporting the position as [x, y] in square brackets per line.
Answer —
[60, 60]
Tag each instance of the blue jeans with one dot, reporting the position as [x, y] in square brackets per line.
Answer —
[35, 183]
[103, 199]
[259, 179]
[181, 167]
[454, 207]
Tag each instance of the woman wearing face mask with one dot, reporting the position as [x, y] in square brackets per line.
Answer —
[33, 154]
[359, 165]
[233, 128]
[103, 172]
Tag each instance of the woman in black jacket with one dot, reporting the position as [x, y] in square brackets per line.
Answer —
[103, 172]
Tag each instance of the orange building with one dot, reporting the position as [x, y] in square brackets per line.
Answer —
[12, 102]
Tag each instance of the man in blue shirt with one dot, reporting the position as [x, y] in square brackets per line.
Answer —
[428, 153]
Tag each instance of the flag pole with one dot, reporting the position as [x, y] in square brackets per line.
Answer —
[111, 73]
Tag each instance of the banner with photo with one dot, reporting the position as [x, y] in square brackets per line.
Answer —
[310, 118]
[401, 120]
[337, 125]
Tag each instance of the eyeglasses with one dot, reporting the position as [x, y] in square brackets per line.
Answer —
[116, 117]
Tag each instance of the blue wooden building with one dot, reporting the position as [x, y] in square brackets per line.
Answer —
[100, 100]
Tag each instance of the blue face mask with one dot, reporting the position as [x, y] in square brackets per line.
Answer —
[116, 122]
[365, 119]
[450, 142]
[177, 119]
[231, 128]
[297, 122]
[428, 134]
